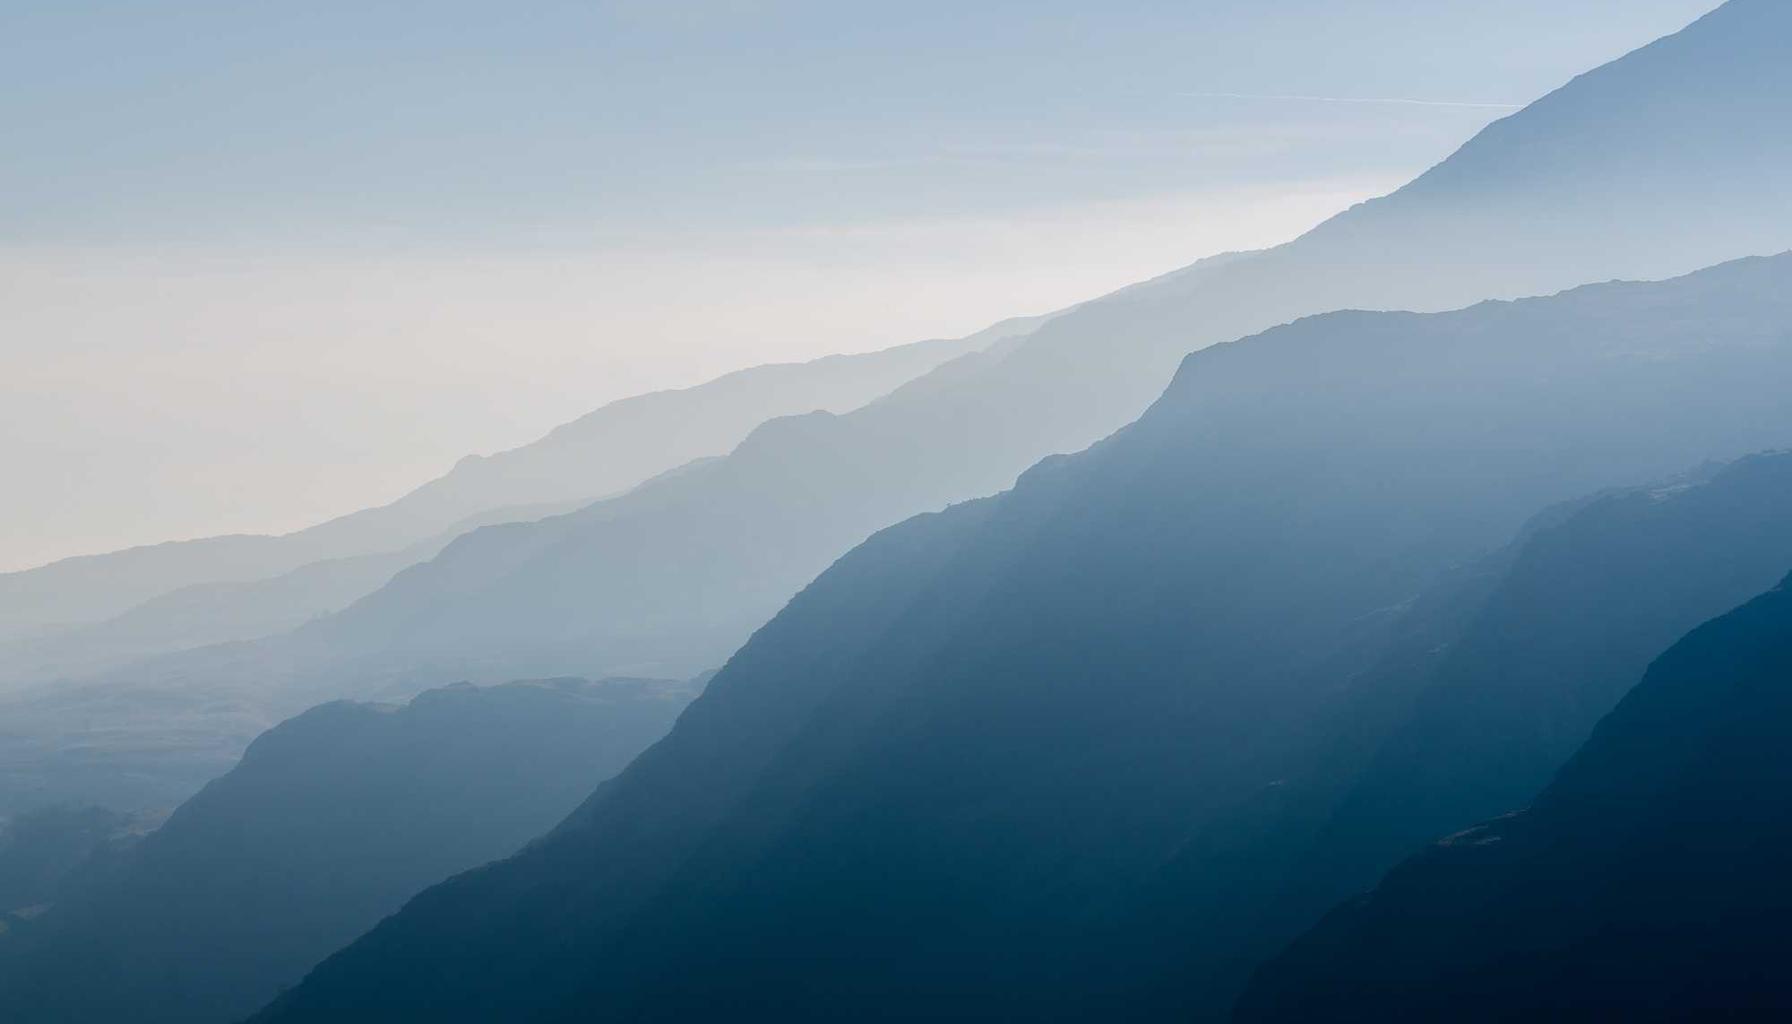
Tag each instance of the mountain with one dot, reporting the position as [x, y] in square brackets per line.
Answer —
[1480, 690]
[331, 821]
[1583, 609]
[210, 613]
[1646, 882]
[199, 615]
[42, 850]
[1639, 169]
[931, 783]
[604, 452]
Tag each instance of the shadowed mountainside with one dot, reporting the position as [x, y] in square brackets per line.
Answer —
[1479, 692]
[930, 783]
[1647, 882]
[331, 821]
[41, 851]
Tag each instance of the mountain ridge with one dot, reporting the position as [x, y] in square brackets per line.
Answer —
[671, 579]
[539, 472]
[928, 782]
[1096, 366]
[1643, 881]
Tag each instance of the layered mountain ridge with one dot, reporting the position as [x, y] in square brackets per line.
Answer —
[929, 782]
[1480, 690]
[1645, 882]
[602, 453]
[1140, 682]
[670, 579]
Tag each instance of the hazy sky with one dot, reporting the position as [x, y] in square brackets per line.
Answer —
[261, 264]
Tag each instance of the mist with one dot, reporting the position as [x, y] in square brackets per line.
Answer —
[773, 511]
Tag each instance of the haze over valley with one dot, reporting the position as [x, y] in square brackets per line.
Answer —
[1308, 545]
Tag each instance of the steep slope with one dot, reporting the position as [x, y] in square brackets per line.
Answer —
[331, 821]
[926, 787]
[604, 452]
[1482, 689]
[1573, 624]
[1647, 882]
[1595, 181]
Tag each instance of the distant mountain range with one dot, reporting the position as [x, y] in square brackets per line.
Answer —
[1648, 166]
[602, 453]
[935, 781]
[1646, 882]
[219, 611]
[330, 822]
[1640, 169]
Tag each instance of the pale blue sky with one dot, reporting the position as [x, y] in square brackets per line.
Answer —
[266, 262]
[454, 123]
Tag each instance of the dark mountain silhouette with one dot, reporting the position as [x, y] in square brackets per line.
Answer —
[929, 785]
[331, 821]
[602, 453]
[1480, 692]
[1573, 624]
[1647, 882]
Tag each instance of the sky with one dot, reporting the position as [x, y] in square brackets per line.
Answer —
[262, 264]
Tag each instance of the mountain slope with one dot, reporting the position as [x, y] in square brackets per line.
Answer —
[1575, 621]
[671, 579]
[927, 785]
[1481, 689]
[42, 851]
[331, 821]
[604, 452]
[668, 579]
[1647, 882]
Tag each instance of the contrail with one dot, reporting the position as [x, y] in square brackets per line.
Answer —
[1349, 99]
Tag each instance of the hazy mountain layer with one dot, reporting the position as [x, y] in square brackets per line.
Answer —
[1595, 181]
[330, 822]
[1641, 168]
[205, 614]
[932, 783]
[604, 452]
[1647, 882]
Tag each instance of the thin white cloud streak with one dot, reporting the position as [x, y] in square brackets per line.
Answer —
[1381, 100]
